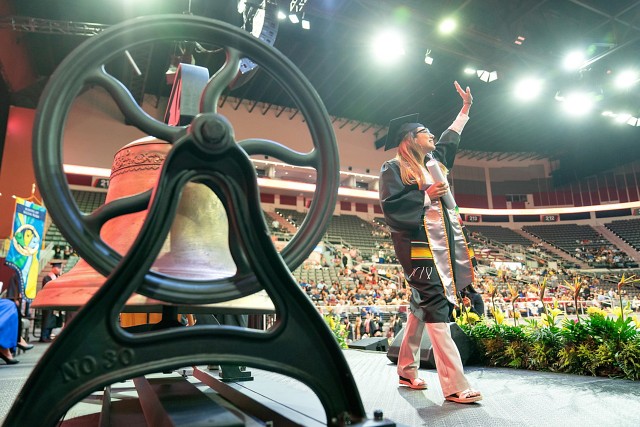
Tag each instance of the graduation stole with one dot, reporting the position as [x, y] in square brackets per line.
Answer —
[460, 266]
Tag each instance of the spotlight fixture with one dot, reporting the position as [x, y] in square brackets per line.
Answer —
[281, 15]
[528, 88]
[297, 12]
[574, 60]
[297, 5]
[428, 59]
[626, 79]
[388, 47]
[260, 18]
[576, 103]
[632, 121]
[487, 76]
[447, 26]
[622, 118]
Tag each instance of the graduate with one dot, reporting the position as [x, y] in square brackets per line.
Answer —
[430, 244]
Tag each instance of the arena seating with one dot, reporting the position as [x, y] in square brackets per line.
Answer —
[354, 231]
[568, 237]
[350, 230]
[294, 217]
[367, 237]
[628, 230]
[503, 235]
[88, 201]
[326, 274]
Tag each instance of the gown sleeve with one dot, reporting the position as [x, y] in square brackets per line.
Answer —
[446, 148]
[402, 204]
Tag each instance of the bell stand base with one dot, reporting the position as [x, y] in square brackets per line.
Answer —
[233, 373]
[260, 411]
[173, 400]
[228, 373]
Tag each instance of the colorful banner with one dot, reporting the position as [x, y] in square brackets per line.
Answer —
[26, 242]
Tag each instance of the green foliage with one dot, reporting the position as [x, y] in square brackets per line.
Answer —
[339, 330]
[596, 345]
[577, 332]
[628, 358]
[544, 343]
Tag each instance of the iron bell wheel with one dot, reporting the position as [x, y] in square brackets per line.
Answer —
[85, 66]
[92, 351]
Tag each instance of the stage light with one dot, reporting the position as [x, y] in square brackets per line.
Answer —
[447, 26]
[281, 15]
[469, 70]
[487, 76]
[388, 46]
[428, 59]
[294, 18]
[574, 60]
[576, 103]
[627, 79]
[528, 89]
[305, 23]
[622, 117]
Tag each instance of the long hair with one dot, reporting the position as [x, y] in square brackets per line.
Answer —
[411, 157]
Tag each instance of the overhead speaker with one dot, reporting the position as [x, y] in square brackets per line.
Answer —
[467, 348]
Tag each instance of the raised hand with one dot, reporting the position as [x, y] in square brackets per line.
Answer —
[466, 96]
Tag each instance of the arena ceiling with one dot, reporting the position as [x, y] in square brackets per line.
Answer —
[335, 55]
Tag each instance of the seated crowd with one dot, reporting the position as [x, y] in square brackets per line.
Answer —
[602, 255]
[375, 294]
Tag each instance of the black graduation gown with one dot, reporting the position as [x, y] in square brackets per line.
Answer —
[403, 208]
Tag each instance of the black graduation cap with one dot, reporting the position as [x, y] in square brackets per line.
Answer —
[56, 264]
[398, 128]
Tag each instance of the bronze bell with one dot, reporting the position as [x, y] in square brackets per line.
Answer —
[196, 247]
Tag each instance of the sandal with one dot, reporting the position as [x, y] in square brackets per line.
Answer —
[416, 383]
[467, 396]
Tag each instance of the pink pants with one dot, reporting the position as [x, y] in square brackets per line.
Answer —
[445, 352]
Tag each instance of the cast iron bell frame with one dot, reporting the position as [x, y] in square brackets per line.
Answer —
[93, 351]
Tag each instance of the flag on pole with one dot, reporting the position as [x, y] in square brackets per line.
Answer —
[26, 242]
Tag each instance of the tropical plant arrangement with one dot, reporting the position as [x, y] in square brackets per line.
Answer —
[338, 328]
[598, 343]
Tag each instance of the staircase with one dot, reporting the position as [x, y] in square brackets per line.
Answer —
[285, 225]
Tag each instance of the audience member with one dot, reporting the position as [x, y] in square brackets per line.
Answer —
[49, 320]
